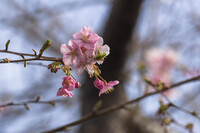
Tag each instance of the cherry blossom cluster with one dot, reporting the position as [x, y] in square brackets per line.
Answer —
[83, 52]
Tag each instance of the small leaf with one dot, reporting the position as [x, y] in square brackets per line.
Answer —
[100, 56]
[163, 109]
[98, 105]
[166, 121]
[148, 81]
[6, 60]
[189, 126]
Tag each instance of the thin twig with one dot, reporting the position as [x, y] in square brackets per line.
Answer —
[36, 101]
[44, 58]
[170, 103]
[119, 106]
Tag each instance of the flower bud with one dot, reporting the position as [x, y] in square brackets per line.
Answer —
[98, 84]
[77, 85]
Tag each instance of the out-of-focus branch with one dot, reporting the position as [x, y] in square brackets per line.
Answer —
[25, 104]
[119, 106]
[171, 104]
[184, 110]
[177, 123]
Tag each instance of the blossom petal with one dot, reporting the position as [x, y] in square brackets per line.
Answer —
[64, 49]
[67, 60]
[64, 92]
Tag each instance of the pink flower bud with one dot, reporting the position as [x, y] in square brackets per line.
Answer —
[77, 85]
[98, 84]
[68, 83]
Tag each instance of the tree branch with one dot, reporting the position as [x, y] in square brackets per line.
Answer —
[25, 104]
[44, 58]
[119, 106]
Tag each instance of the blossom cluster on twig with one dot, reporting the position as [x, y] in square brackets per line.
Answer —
[84, 52]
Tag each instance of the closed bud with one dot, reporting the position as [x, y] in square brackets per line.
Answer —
[77, 85]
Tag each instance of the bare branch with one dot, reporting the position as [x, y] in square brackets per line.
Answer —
[119, 106]
[25, 104]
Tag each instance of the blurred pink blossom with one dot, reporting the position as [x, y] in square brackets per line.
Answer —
[160, 63]
[161, 60]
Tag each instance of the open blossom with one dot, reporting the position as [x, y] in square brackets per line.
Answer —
[64, 92]
[84, 51]
[86, 37]
[101, 50]
[71, 53]
[105, 87]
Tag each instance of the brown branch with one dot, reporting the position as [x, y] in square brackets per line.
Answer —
[25, 104]
[170, 103]
[177, 123]
[44, 58]
[119, 106]
[184, 110]
[31, 59]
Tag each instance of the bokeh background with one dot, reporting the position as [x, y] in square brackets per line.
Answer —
[130, 28]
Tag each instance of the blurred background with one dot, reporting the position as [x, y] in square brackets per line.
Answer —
[135, 30]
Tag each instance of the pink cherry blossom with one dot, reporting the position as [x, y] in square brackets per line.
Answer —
[101, 49]
[68, 83]
[83, 66]
[108, 86]
[71, 52]
[64, 92]
[83, 53]
[86, 62]
[87, 35]
[98, 84]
